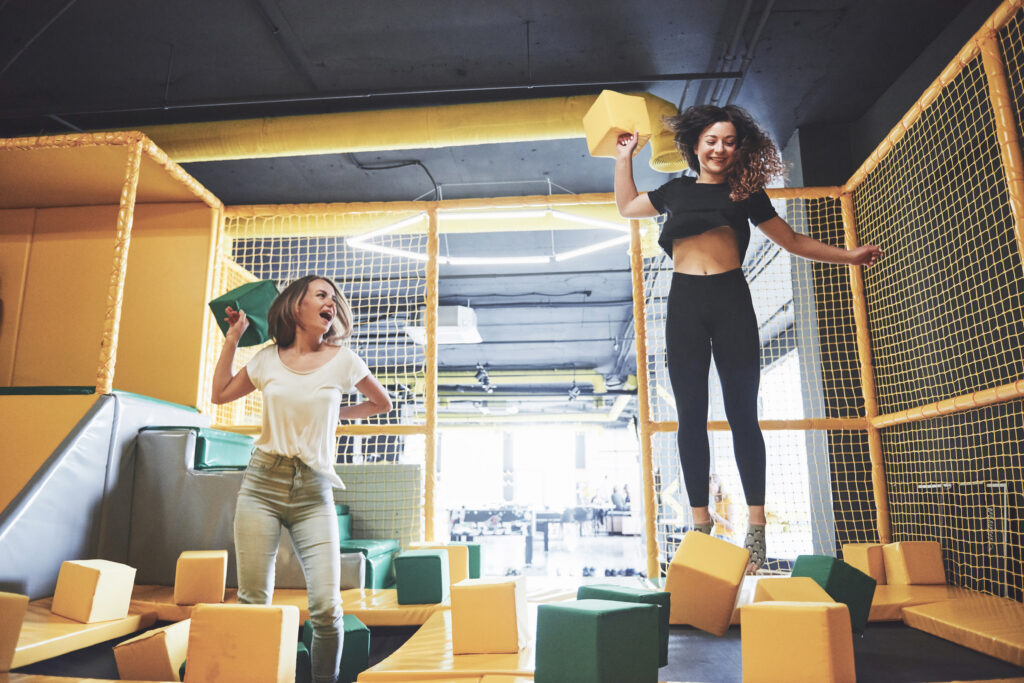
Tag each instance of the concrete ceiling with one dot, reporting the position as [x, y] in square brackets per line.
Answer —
[67, 66]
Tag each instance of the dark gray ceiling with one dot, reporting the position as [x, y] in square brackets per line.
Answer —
[68, 66]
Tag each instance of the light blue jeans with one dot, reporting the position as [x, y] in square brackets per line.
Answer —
[278, 491]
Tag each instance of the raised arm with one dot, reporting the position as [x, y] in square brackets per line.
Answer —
[227, 387]
[631, 204]
[377, 400]
[778, 231]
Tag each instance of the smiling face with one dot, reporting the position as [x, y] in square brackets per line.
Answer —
[717, 150]
[317, 308]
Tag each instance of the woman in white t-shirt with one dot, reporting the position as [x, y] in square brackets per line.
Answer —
[290, 477]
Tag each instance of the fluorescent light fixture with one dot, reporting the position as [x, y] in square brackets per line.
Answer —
[492, 215]
[496, 260]
[595, 222]
[387, 250]
[386, 229]
[566, 255]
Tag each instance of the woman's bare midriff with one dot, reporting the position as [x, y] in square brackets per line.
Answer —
[708, 253]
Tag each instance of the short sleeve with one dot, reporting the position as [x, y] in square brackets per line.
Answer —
[256, 368]
[353, 370]
[759, 207]
[657, 198]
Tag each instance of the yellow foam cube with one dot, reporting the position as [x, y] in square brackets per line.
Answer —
[914, 562]
[867, 557]
[242, 644]
[458, 559]
[797, 642]
[155, 655]
[200, 576]
[611, 115]
[704, 579]
[790, 589]
[12, 608]
[93, 590]
[489, 616]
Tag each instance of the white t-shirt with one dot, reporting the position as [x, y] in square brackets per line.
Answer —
[300, 409]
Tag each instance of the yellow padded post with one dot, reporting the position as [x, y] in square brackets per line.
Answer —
[611, 115]
[797, 642]
[489, 616]
[867, 557]
[93, 590]
[790, 589]
[704, 579]
[155, 655]
[242, 644]
[200, 576]
[458, 559]
[13, 607]
[914, 562]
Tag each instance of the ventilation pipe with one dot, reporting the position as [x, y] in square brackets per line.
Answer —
[554, 118]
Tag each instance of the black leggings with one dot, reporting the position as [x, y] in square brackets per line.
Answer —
[713, 315]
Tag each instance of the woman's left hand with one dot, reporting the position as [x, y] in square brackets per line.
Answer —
[865, 256]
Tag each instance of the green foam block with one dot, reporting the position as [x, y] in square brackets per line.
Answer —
[422, 576]
[843, 582]
[628, 594]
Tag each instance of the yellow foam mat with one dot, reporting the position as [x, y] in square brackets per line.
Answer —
[373, 607]
[45, 635]
[889, 600]
[427, 655]
[994, 626]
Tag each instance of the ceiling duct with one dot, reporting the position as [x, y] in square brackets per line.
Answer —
[455, 325]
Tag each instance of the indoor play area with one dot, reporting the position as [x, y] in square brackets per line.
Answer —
[483, 540]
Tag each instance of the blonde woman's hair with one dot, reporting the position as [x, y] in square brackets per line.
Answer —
[281, 319]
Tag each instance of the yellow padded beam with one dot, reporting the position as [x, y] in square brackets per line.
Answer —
[797, 642]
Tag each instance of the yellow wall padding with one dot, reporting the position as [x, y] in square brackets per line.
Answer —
[15, 242]
[984, 623]
[552, 118]
[163, 315]
[45, 635]
[33, 427]
[62, 315]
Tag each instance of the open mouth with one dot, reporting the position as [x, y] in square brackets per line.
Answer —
[327, 317]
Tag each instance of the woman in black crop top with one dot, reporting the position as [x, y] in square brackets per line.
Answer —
[710, 313]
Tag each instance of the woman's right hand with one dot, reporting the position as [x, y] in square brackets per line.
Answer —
[237, 322]
[626, 145]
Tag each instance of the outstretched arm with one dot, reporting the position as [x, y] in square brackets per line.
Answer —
[377, 400]
[631, 204]
[778, 231]
[227, 387]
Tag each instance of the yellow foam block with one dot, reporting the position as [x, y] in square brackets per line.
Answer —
[797, 642]
[985, 623]
[507, 679]
[611, 115]
[242, 643]
[93, 590]
[790, 589]
[153, 656]
[200, 576]
[867, 557]
[458, 559]
[489, 616]
[13, 607]
[704, 579]
[889, 601]
[913, 562]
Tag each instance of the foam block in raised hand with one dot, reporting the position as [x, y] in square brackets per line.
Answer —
[422, 577]
[13, 607]
[790, 589]
[611, 115]
[242, 644]
[842, 582]
[155, 655]
[797, 642]
[489, 616]
[93, 590]
[200, 576]
[914, 563]
[458, 558]
[254, 298]
[867, 557]
[704, 579]
[597, 641]
[630, 594]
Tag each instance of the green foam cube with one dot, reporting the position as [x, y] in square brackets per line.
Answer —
[843, 582]
[629, 594]
[422, 576]
[355, 648]
[475, 558]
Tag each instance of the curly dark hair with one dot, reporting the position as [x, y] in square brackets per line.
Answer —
[758, 161]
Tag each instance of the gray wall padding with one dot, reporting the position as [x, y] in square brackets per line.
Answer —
[178, 508]
[76, 506]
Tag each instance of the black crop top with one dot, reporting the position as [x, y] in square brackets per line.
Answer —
[694, 208]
